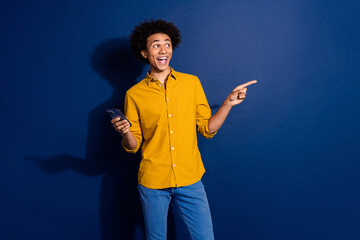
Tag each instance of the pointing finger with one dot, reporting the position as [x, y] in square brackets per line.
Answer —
[248, 83]
[245, 84]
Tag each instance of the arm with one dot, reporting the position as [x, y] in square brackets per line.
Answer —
[235, 97]
[123, 127]
[131, 136]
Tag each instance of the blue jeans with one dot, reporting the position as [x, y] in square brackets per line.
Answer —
[191, 202]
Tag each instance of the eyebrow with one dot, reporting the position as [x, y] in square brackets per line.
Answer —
[159, 41]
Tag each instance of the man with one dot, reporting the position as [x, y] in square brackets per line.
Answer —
[165, 109]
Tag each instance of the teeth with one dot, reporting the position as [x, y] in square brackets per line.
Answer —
[163, 58]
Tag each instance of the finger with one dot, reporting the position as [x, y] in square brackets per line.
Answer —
[126, 129]
[240, 91]
[245, 85]
[122, 125]
[241, 96]
[120, 128]
[115, 119]
[127, 124]
[248, 83]
[123, 129]
[115, 124]
[119, 123]
[232, 96]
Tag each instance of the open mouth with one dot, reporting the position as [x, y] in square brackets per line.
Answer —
[163, 60]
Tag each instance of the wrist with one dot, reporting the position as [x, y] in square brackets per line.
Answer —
[227, 104]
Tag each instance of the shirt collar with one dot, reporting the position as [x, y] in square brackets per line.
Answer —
[149, 78]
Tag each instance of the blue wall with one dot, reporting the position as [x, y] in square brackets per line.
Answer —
[284, 166]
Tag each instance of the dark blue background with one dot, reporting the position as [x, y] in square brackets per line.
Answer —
[284, 166]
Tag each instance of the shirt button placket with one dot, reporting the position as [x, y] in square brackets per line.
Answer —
[171, 136]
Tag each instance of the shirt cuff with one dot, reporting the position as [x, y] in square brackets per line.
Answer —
[206, 133]
[131, 150]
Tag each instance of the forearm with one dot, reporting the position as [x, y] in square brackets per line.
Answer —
[217, 120]
[129, 140]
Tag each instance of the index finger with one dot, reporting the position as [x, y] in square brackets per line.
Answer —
[245, 84]
[116, 119]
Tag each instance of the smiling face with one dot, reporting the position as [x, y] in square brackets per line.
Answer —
[159, 52]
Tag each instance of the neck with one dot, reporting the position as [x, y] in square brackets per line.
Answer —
[160, 75]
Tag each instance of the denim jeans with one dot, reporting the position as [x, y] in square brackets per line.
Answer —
[191, 202]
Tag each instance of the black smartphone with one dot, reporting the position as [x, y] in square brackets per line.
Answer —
[114, 112]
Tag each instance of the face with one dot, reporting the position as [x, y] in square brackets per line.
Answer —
[159, 52]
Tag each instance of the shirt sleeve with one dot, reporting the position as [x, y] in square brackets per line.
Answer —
[132, 114]
[203, 111]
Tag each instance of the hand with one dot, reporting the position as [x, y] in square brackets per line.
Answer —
[238, 94]
[121, 126]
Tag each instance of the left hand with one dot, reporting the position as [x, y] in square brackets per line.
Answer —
[238, 94]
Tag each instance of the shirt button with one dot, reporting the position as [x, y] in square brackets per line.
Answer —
[168, 99]
[174, 165]
[159, 85]
[169, 115]
[172, 148]
[171, 131]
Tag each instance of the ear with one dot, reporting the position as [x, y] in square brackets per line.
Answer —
[144, 53]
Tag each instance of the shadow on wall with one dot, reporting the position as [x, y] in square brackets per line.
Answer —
[120, 209]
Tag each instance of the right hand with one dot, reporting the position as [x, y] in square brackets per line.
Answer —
[121, 126]
[238, 94]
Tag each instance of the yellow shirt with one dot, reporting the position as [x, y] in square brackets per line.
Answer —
[164, 121]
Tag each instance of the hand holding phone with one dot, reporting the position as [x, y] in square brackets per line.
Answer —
[114, 113]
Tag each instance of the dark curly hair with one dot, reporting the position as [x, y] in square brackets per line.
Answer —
[140, 34]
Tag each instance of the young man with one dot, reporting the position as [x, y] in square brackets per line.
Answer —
[165, 109]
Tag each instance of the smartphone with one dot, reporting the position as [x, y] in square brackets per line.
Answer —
[114, 113]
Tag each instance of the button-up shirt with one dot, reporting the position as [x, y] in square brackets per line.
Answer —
[164, 121]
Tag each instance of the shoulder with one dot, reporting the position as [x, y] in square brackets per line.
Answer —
[137, 88]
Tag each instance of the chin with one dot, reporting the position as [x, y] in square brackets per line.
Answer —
[163, 68]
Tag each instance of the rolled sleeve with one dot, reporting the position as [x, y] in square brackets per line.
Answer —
[203, 112]
[132, 114]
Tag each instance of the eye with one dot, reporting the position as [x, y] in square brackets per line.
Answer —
[168, 45]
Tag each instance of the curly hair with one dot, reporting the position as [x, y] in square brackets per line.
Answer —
[140, 34]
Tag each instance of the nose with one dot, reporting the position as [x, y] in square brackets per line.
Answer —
[162, 49]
